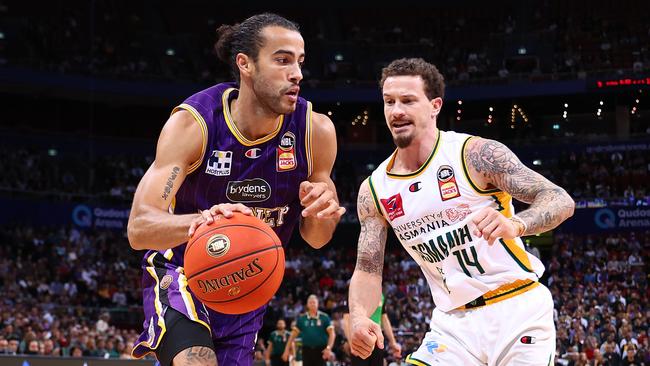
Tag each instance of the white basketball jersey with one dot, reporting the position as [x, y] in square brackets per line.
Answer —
[430, 211]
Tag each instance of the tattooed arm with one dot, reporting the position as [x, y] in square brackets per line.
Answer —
[491, 164]
[365, 285]
[151, 226]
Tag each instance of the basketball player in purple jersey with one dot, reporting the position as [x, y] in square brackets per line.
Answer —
[246, 147]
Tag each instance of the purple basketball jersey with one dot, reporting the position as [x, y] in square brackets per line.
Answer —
[264, 175]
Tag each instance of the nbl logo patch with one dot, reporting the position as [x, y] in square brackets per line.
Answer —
[286, 153]
[447, 183]
[393, 206]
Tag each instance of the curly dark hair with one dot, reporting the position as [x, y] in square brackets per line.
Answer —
[434, 82]
[246, 37]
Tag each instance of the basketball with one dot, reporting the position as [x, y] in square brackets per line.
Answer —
[234, 265]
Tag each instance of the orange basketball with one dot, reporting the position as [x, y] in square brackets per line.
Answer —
[234, 265]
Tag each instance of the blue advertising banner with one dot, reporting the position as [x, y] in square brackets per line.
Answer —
[79, 215]
[608, 219]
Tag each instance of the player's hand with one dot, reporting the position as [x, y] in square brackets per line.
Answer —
[224, 209]
[327, 353]
[396, 350]
[365, 335]
[491, 224]
[285, 356]
[319, 201]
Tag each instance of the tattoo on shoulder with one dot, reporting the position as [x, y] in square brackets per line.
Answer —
[493, 157]
[170, 182]
[372, 237]
[550, 204]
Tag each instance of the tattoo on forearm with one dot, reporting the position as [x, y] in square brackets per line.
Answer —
[170, 182]
[550, 204]
[372, 238]
[199, 356]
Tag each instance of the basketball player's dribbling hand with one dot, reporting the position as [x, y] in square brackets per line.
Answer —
[319, 201]
[491, 225]
[225, 209]
[366, 334]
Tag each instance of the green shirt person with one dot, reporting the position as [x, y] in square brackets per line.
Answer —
[317, 333]
[276, 344]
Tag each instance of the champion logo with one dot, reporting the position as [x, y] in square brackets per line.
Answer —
[415, 187]
[253, 153]
[527, 340]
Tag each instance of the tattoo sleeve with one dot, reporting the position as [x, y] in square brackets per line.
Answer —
[549, 204]
[170, 182]
[372, 238]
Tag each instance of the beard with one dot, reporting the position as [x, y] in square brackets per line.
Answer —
[269, 98]
[403, 140]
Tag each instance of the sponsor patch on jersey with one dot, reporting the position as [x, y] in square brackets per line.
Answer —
[165, 282]
[253, 153]
[217, 245]
[433, 346]
[288, 141]
[219, 163]
[447, 183]
[458, 213]
[248, 190]
[393, 206]
[286, 160]
[415, 187]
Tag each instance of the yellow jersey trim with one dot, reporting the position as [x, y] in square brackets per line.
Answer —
[505, 292]
[517, 253]
[466, 172]
[308, 139]
[417, 172]
[233, 127]
[204, 133]
[375, 199]
[415, 361]
[189, 303]
[158, 305]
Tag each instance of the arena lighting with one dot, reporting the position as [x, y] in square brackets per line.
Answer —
[556, 126]
[513, 112]
[170, 52]
[460, 102]
[329, 113]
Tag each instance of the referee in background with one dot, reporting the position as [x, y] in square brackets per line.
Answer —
[317, 335]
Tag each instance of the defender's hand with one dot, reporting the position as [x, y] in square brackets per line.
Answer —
[319, 201]
[327, 353]
[491, 224]
[365, 335]
[224, 209]
[396, 350]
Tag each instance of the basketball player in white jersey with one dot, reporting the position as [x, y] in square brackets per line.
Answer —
[448, 198]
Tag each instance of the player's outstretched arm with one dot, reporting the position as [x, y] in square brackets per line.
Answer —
[151, 225]
[491, 164]
[365, 285]
[318, 195]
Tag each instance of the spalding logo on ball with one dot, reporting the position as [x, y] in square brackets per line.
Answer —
[243, 267]
[218, 245]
